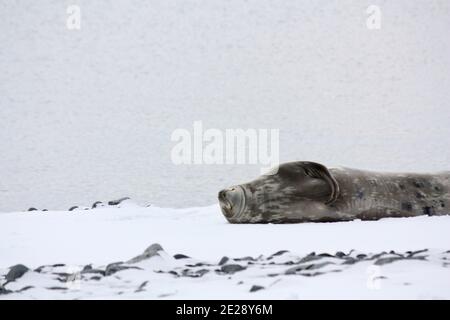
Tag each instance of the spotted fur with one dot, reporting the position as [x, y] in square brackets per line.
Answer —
[310, 192]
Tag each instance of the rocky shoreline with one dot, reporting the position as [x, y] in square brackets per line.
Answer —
[87, 253]
[95, 205]
[136, 275]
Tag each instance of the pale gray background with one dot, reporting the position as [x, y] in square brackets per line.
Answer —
[87, 115]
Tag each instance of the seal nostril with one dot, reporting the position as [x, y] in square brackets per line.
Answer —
[222, 194]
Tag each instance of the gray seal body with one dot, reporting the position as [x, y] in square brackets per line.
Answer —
[309, 192]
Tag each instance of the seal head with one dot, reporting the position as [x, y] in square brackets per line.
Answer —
[232, 201]
[291, 192]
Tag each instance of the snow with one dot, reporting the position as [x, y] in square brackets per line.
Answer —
[118, 233]
[111, 234]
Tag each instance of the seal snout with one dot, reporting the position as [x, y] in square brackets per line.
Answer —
[232, 201]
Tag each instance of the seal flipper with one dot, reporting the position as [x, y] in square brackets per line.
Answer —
[319, 171]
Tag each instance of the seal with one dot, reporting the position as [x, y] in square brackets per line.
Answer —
[310, 192]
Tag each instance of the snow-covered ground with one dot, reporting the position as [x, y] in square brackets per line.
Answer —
[58, 245]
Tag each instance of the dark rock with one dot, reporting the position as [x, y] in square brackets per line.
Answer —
[383, 261]
[411, 256]
[310, 257]
[95, 278]
[116, 267]
[201, 272]
[413, 253]
[113, 268]
[180, 256]
[97, 204]
[62, 279]
[87, 268]
[73, 208]
[195, 274]
[25, 289]
[96, 271]
[279, 253]
[39, 269]
[118, 201]
[148, 253]
[294, 270]
[62, 274]
[314, 274]
[378, 255]
[256, 288]
[361, 256]
[350, 260]
[57, 288]
[198, 264]
[32, 209]
[326, 255]
[245, 259]
[57, 265]
[15, 272]
[340, 254]
[232, 268]
[3, 290]
[395, 253]
[223, 261]
[141, 287]
[318, 265]
[312, 266]
[336, 270]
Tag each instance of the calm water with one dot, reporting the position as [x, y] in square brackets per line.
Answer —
[87, 115]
